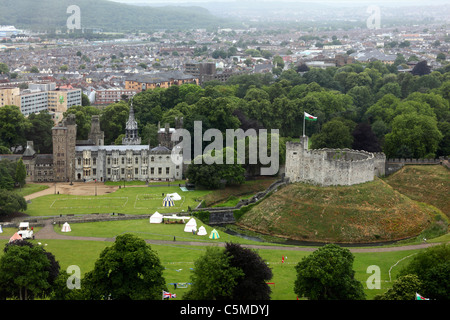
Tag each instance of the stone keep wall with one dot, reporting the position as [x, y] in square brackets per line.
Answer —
[329, 167]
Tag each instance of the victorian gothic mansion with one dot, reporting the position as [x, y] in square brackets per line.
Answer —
[91, 160]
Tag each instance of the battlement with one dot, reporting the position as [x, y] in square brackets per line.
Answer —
[328, 167]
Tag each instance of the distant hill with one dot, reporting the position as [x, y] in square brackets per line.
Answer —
[363, 213]
[107, 15]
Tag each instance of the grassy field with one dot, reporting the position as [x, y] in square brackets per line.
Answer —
[140, 199]
[130, 200]
[366, 208]
[30, 188]
[367, 212]
[178, 260]
[428, 184]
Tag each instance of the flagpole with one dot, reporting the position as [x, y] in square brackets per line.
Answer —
[303, 123]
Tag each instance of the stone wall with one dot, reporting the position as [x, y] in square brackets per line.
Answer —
[328, 167]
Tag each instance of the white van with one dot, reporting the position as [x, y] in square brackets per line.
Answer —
[25, 231]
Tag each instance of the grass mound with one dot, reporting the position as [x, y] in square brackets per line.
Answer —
[368, 212]
[429, 184]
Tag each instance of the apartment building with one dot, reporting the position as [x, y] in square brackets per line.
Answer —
[9, 96]
[108, 96]
[40, 97]
[141, 83]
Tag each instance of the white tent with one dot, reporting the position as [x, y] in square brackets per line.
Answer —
[66, 228]
[190, 225]
[156, 218]
[175, 196]
[1, 231]
[201, 231]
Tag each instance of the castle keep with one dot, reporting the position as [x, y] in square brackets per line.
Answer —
[328, 167]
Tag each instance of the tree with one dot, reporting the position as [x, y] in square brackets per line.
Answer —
[13, 126]
[40, 132]
[34, 69]
[11, 202]
[432, 267]
[421, 68]
[404, 288]
[253, 284]
[327, 274]
[21, 173]
[365, 139]
[24, 272]
[85, 100]
[336, 133]
[212, 175]
[53, 268]
[414, 132]
[113, 120]
[128, 270]
[213, 277]
[83, 116]
[4, 69]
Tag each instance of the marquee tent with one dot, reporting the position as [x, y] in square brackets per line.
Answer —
[190, 225]
[214, 234]
[202, 231]
[66, 228]
[1, 231]
[168, 202]
[16, 236]
[156, 218]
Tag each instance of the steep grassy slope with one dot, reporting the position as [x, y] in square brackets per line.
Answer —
[429, 184]
[369, 212]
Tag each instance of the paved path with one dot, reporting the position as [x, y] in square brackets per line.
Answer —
[48, 232]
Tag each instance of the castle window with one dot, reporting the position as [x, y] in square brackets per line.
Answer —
[94, 161]
[94, 171]
[129, 160]
[123, 160]
[109, 160]
[109, 170]
[136, 171]
[136, 160]
[152, 170]
[159, 170]
[152, 159]
[122, 171]
[167, 170]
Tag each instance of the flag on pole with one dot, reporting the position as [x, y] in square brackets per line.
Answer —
[419, 297]
[310, 117]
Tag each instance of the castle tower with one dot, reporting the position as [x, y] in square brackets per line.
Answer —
[131, 130]
[96, 135]
[64, 140]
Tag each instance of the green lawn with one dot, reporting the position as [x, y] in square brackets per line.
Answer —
[135, 200]
[30, 188]
[178, 259]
